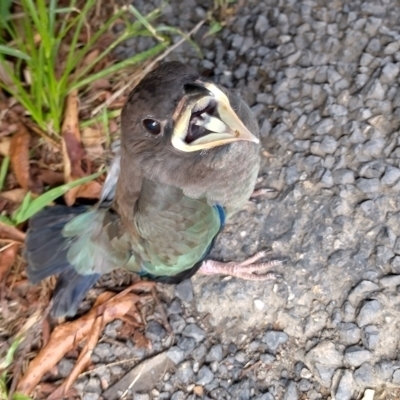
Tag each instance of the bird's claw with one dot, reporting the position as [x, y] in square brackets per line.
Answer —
[246, 269]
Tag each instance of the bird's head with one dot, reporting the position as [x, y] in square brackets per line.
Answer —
[172, 108]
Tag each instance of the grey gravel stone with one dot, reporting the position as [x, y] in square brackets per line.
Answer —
[368, 312]
[273, 339]
[177, 323]
[93, 385]
[204, 376]
[241, 357]
[371, 337]
[349, 333]
[304, 385]
[267, 358]
[187, 344]
[291, 391]
[65, 367]
[179, 395]
[346, 386]
[355, 356]
[362, 290]
[155, 331]
[184, 373]
[193, 331]
[184, 290]
[396, 377]
[176, 355]
[175, 307]
[90, 396]
[365, 376]
[141, 396]
[390, 281]
[215, 353]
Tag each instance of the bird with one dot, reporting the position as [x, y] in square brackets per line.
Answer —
[187, 160]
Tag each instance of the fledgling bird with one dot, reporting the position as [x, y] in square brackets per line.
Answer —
[189, 159]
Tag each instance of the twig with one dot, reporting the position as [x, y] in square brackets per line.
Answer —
[128, 360]
[139, 76]
[124, 394]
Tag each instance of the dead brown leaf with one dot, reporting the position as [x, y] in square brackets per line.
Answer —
[5, 143]
[83, 360]
[92, 136]
[7, 259]
[92, 140]
[90, 190]
[19, 156]
[68, 335]
[100, 84]
[12, 233]
[14, 195]
[73, 152]
[52, 178]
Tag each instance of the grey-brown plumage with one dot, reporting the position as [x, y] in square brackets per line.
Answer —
[189, 158]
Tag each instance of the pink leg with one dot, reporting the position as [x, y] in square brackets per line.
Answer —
[244, 270]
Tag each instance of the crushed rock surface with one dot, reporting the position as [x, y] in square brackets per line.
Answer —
[322, 78]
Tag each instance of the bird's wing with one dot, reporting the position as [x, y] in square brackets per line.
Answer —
[176, 231]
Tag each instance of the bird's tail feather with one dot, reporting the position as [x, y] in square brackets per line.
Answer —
[46, 252]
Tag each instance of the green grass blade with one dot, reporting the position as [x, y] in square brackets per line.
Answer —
[7, 221]
[20, 396]
[123, 64]
[100, 118]
[46, 198]
[10, 353]
[3, 171]
[5, 11]
[9, 51]
[145, 23]
[177, 31]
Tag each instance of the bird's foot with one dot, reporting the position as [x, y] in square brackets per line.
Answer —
[246, 269]
[262, 192]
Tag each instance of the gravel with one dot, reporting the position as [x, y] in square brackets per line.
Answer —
[322, 79]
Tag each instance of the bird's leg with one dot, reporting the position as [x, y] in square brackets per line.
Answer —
[246, 269]
[262, 192]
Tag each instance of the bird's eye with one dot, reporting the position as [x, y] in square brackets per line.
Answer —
[152, 126]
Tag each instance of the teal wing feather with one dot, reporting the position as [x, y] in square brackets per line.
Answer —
[176, 231]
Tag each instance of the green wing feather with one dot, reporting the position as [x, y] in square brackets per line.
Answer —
[175, 230]
[173, 233]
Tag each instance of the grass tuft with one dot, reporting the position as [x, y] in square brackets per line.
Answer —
[45, 52]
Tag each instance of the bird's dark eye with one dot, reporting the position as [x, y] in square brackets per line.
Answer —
[152, 126]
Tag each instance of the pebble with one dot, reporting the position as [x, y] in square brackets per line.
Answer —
[346, 386]
[155, 331]
[184, 373]
[184, 291]
[215, 353]
[193, 331]
[355, 356]
[273, 339]
[368, 313]
[176, 354]
[204, 376]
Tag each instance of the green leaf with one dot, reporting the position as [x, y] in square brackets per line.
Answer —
[21, 210]
[20, 396]
[7, 221]
[3, 171]
[46, 198]
[9, 51]
[5, 11]
[8, 359]
[215, 27]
